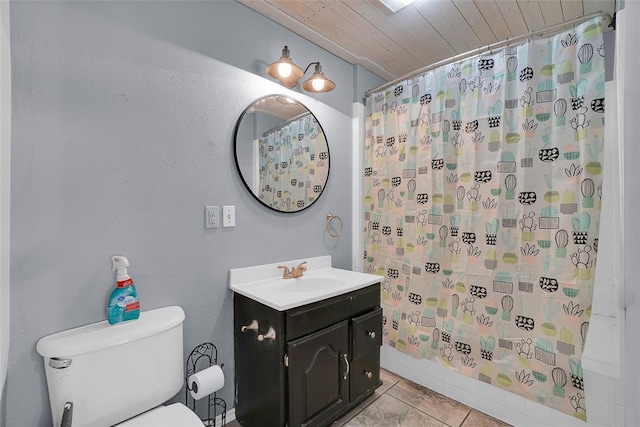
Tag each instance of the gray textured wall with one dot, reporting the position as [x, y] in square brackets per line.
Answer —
[5, 192]
[630, 94]
[123, 117]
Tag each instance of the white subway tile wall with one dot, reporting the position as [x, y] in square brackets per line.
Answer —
[604, 395]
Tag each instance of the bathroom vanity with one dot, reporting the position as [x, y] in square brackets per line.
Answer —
[307, 349]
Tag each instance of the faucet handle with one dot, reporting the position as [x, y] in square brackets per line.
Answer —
[302, 266]
[286, 274]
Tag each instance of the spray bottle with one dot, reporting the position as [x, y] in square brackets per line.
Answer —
[123, 303]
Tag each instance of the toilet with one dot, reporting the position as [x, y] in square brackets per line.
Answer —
[119, 374]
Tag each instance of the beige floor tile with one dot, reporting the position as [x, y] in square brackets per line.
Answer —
[346, 417]
[478, 419]
[436, 405]
[389, 379]
[388, 411]
[369, 400]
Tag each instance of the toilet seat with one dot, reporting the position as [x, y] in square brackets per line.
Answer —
[165, 416]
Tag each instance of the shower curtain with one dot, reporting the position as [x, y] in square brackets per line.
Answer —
[482, 183]
[286, 175]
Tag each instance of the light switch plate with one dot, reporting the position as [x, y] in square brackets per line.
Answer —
[228, 216]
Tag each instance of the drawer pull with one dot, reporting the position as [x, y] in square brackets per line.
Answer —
[367, 374]
[346, 361]
[371, 334]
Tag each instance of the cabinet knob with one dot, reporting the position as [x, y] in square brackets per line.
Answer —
[371, 334]
[367, 374]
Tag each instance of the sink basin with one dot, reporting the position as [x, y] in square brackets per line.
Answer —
[312, 284]
[264, 283]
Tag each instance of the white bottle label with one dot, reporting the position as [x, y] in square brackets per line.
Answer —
[123, 301]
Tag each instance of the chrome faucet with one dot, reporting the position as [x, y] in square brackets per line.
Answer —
[294, 272]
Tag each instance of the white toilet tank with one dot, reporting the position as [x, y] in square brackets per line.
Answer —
[112, 373]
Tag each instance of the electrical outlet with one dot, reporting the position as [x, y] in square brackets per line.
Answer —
[211, 217]
[228, 216]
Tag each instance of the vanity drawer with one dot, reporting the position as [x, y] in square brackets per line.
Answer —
[364, 375]
[367, 333]
[313, 317]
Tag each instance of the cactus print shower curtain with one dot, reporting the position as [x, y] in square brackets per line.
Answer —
[287, 180]
[482, 202]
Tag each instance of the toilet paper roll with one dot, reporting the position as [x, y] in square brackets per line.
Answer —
[205, 382]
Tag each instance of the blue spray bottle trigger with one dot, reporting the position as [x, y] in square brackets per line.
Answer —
[120, 264]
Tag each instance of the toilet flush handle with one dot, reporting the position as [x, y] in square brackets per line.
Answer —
[59, 363]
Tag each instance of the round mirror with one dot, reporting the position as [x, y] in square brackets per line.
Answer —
[281, 153]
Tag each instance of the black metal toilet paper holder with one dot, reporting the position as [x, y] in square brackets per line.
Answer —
[204, 356]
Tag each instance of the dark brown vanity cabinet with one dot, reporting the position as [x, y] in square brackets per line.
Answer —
[324, 360]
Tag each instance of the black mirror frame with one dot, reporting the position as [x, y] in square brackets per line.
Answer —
[235, 155]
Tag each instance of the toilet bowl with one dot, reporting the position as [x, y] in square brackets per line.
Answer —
[119, 374]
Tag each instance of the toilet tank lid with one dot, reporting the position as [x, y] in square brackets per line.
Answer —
[101, 335]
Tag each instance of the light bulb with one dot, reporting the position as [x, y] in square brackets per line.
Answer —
[284, 70]
[317, 84]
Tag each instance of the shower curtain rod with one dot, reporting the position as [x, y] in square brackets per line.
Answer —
[286, 122]
[479, 51]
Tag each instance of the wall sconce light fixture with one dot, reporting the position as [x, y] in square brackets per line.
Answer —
[288, 73]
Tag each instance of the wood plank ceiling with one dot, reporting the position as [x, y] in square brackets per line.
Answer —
[391, 45]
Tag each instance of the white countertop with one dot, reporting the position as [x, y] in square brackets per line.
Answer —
[264, 283]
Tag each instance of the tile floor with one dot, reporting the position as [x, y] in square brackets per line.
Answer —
[401, 403]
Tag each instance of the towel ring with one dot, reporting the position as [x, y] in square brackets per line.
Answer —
[331, 217]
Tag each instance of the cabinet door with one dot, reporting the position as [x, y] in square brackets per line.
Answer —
[318, 376]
